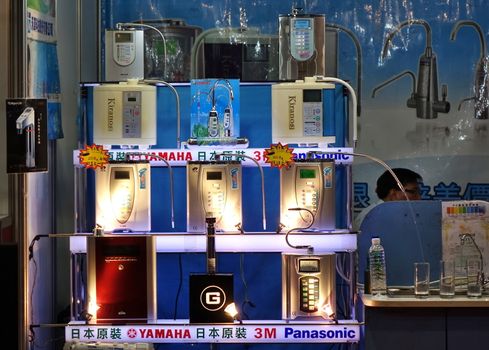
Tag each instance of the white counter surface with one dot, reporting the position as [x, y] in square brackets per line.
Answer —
[408, 301]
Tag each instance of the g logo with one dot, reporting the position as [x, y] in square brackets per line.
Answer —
[212, 298]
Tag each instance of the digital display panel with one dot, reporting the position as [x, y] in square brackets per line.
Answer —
[307, 173]
[121, 175]
[312, 96]
[214, 175]
[123, 37]
[308, 265]
[302, 24]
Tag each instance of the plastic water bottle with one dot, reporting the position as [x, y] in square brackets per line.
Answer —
[376, 254]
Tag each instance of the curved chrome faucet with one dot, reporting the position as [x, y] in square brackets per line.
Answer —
[481, 98]
[425, 98]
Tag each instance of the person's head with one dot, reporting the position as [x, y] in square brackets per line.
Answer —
[388, 190]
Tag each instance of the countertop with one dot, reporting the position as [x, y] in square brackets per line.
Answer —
[431, 301]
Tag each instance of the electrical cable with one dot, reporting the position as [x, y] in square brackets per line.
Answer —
[32, 334]
[33, 241]
[180, 282]
[246, 300]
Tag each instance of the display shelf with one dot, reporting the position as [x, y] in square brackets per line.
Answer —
[334, 241]
[254, 331]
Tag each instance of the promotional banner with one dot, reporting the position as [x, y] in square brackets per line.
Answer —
[42, 60]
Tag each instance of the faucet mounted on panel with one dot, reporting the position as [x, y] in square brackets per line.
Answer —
[425, 97]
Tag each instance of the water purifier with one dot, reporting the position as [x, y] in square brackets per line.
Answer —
[124, 55]
[214, 190]
[308, 286]
[301, 45]
[124, 114]
[308, 184]
[123, 197]
[121, 273]
[299, 112]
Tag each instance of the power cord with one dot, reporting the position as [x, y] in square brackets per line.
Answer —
[246, 300]
[180, 282]
[31, 245]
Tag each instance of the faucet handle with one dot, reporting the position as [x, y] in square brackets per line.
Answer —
[444, 91]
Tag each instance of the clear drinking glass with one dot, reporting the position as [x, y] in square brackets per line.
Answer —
[474, 281]
[421, 279]
[447, 278]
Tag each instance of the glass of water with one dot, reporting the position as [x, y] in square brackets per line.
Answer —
[447, 278]
[421, 279]
[474, 280]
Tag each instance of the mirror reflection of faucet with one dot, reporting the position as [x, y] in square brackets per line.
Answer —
[26, 121]
[425, 97]
[481, 98]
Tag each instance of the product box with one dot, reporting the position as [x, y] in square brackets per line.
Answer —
[214, 114]
[27, 135]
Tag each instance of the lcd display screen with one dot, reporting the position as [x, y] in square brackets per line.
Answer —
[307, 173]
[121, 175]
[214, 175]
[308, 265]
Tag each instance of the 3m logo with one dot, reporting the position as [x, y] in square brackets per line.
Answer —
[212, 298]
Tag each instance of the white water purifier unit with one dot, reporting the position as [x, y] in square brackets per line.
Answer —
[124, 55]
[308, 286]
[123, 197]
[298, 113]
[308, 184]
[124, 114]
[214, 190]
